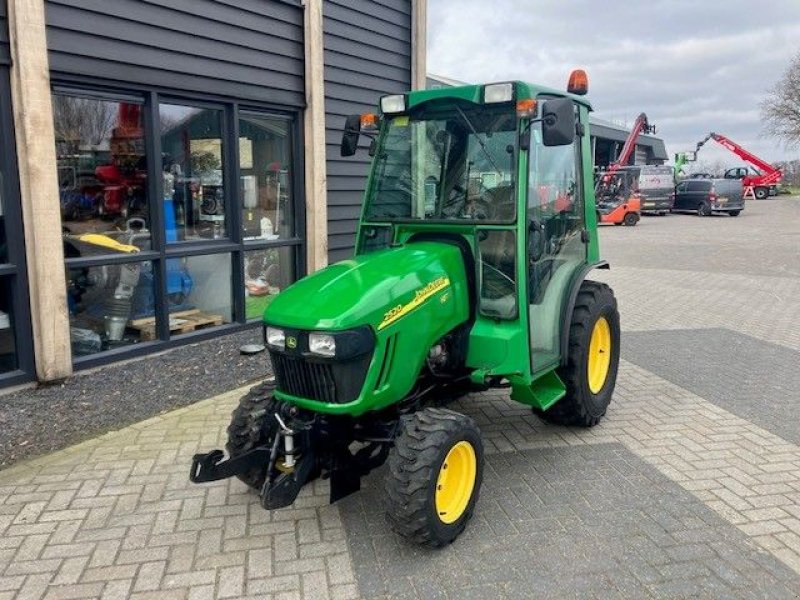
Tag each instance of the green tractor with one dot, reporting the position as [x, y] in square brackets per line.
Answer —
[477, 233]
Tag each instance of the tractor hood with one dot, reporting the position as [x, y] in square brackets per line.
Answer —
[379, 289]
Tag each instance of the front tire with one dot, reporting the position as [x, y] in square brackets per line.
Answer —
[592, 361]
[435, 474]
[252, 425]
[631, 219]
[761, 193]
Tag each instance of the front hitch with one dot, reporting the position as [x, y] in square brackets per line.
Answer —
[211, 466]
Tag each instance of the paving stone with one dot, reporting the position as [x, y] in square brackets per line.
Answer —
[746, 376]
[488, 559]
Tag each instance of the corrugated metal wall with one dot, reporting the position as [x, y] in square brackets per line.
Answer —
[245, 49]
[367, 55]
[4, 51]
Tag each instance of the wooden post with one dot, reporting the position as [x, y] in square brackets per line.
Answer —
[419, 44]
[38, 183]
[314, 121]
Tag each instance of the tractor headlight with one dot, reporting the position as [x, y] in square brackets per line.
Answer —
[393, 104]
[276, 338]
[322, 344]
[498, 92]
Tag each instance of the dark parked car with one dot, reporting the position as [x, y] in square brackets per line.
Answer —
[705, 196]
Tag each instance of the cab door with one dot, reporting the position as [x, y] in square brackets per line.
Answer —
[556, 242]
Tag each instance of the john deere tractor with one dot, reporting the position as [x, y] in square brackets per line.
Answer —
[477, 233]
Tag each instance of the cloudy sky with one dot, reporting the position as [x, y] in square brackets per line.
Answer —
[693, 66]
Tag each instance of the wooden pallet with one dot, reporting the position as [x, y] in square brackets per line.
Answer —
[179, 322]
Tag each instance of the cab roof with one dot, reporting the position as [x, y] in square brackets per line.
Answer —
[474, 93]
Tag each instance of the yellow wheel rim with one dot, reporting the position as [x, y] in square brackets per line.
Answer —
[599, 355]
[456, 482]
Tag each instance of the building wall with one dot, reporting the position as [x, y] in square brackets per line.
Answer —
[231, 57]
[4, 51]
[247, 49]
[367, 55]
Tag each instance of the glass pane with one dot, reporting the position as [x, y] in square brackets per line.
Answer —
[102, 170]
[8, 351]
[209, 299]
[266, 272]
[265, 168]
[194, 191]
[555, 245]
[498, 283]
[110, 306]
[458, 164]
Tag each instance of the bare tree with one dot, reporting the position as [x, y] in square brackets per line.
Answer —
[780, 110]
[82, 120]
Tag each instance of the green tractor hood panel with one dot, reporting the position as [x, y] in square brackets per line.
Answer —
[410, 296]
[380, 289]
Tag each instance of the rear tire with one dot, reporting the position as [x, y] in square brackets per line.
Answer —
[249, 427]
[761, 193]
[427, 503]
[704, 210]
[589, 391]
[631, 219]
[734, 213]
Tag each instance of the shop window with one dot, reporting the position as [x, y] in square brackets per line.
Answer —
[102, 166]
[8, 353]
[267, 271]
[209, 300]
[265, 168]
[194, 187]
[110, 306]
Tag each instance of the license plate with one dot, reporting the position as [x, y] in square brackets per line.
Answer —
[722, 200]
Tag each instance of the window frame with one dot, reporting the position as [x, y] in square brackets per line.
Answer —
[15, 270]
[233, 242]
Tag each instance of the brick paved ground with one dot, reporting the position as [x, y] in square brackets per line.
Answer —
[678, 491]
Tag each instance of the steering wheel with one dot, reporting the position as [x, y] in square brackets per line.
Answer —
[479, 209]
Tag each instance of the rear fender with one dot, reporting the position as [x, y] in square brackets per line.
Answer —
[569, 306]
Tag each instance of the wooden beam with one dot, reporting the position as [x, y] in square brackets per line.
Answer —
[38, 183]
[314, 125]
[419, 44]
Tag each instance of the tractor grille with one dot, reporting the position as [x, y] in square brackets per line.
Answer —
[330, 382]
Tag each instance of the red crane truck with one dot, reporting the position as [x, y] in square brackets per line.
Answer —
[764, 175]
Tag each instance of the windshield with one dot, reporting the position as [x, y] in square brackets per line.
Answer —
[456, 163]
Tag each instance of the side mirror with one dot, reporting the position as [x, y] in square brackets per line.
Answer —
[558, 122]
[352, 130]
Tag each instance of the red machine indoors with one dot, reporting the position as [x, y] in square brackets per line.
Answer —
[767, 176]
[124, 180]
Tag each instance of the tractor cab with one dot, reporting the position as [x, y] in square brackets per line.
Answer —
[476, 235]
[499, 171]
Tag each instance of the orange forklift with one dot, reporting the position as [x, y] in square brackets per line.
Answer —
[617, 199]
[616, 189]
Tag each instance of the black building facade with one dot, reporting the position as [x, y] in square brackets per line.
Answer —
[181, 137]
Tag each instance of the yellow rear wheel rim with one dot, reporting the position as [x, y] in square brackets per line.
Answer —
[599, 355]
[456, 482]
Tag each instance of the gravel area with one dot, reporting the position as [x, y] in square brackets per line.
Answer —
[39, 420]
